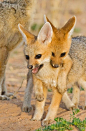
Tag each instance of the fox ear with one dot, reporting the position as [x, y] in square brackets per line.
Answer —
[45, 19]
[45, 34]
[26, 35]
[69, 26]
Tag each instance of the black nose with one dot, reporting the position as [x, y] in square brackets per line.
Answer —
[29, 66]
[54, 65]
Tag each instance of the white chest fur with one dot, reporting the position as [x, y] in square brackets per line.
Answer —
[48, 75]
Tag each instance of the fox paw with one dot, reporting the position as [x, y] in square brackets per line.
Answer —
[36, 118]
[62, 91]
[46, 122]
[27, 108]
[4, 97]
[39, 97]
[7, 96]
[72, 108]
[11, 96]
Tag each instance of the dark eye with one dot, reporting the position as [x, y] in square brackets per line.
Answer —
[53, 54]
[63, 54]
[38, 56]
[27, 57]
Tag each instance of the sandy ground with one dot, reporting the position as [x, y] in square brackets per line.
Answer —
[13, 119]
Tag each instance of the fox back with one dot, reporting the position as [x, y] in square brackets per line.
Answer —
[13, 12]
[78, 55]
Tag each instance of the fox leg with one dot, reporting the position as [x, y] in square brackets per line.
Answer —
[82, 83]
[62, 82]
[38, 87]
[76, 95]
[4, 90]
[62, 77]
[28, 92]
[40, 106]
[3, 62]
[69, 104]
[53, 107]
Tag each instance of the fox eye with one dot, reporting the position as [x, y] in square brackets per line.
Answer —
[63, 54]
[53, 54]
[38, 56]
[27, 57]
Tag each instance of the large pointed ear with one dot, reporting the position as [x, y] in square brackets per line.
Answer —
[45, 34]
[47, 20]
[26, 35]
[69, 26]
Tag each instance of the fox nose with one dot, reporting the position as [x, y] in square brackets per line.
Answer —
[30, 66]
[54, 65]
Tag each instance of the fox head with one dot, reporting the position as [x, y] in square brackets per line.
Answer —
[36, 48]
[61, 41]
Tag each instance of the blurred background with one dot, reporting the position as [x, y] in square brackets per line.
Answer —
[58, 11]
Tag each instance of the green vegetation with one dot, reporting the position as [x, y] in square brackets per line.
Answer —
[70, 90]
[63, 125]
[49, 90]
[36, 27]
[77, 30]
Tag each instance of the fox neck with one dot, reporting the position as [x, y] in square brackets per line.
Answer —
[48, 75]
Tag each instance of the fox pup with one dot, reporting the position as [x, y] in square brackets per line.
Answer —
[12, 12]
[38, 54]
[61, 44]
[76, 75]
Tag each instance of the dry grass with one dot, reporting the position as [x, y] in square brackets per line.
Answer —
[59, 11]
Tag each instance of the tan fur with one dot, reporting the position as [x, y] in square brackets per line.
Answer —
[45, 77]
[53, 107]
[74, 66]
[12, 12]
[77, 74]
[61, 43]
[56, 39]
[77, 69]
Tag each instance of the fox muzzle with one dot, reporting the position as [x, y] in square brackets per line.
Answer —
[30, 66]
[54, 65]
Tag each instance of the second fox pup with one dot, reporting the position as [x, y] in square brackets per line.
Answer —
[76, 76]
[38, 54]
[60, 47]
